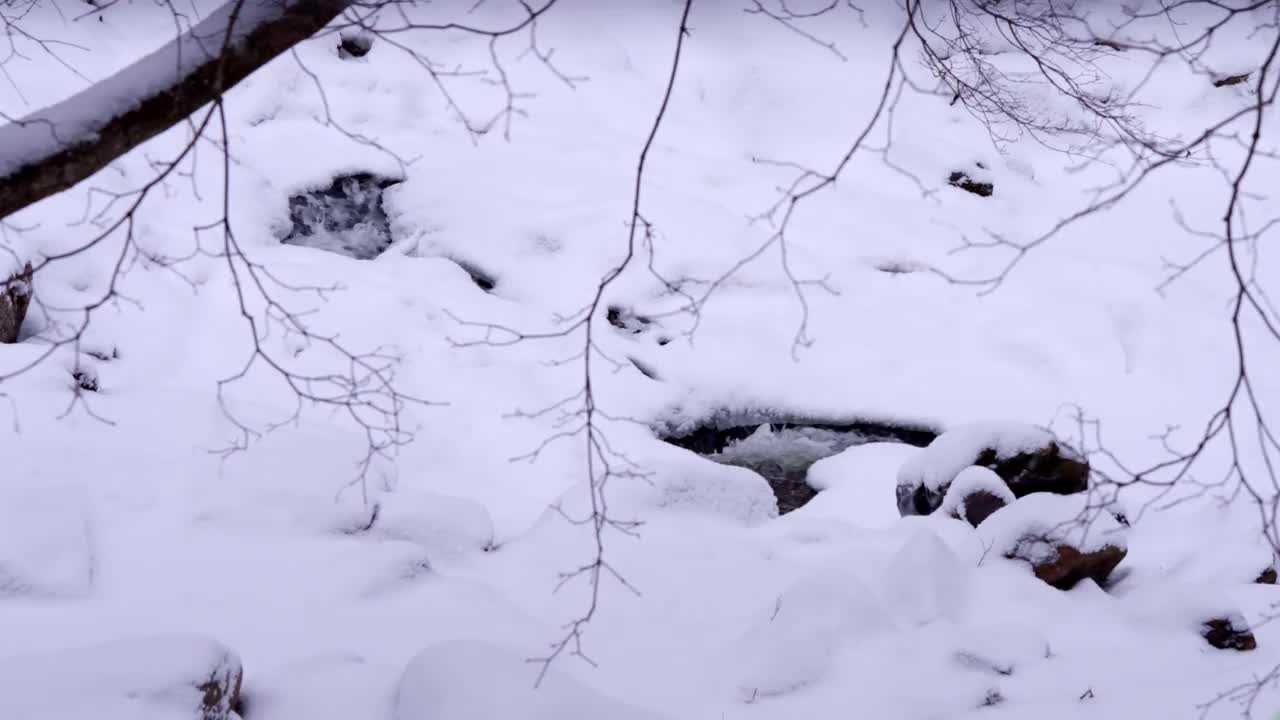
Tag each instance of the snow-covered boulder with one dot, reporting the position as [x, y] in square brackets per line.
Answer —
[1061, 537]
[473, 680]
[1028, 458]
[45, 546]
[15, 297]
[167, 677]
[975, 494]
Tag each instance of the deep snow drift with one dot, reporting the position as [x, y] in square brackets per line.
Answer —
[416, 585]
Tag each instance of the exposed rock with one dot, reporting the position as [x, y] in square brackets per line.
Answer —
[1027, 458]
[346, 218]
[1062, 539]
[1228, 80]
[1267, 577]
[1229, 633]
[975, 494]
[963, 181]
[15, 298]
[627, 320]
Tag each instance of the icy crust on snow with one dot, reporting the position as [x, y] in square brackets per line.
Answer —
[955, 449]
[145, 678]
[473, 680]
[1035, 525]
[969, 481]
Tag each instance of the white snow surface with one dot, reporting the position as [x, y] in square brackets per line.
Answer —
[120, 520]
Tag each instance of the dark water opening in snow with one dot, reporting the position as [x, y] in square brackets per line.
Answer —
[346, 218]
[783, 450]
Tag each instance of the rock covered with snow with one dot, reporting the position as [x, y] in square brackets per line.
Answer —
[1027, 458]
[473, 680]
[1061, 537]
[163, 677]
[975, 494]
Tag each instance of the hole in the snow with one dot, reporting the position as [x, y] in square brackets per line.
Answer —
[354, 45]
[482, 279]
[782, 449]
[346, 218]
[86, 379]
[645, 369]
[626, 320]
[961, 179]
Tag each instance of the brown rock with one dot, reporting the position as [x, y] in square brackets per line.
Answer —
[1226, 634]
[1070, 566]
[1048, 469]
[979, 505]
[1267, 577]
[15, 297]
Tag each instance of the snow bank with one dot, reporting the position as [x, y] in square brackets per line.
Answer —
[171, 677]
[472, 680]
[448, 528]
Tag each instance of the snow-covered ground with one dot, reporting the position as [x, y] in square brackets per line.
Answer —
[119, 518]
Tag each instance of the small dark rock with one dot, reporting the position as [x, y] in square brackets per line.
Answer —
[962, 180]
[15, 298]
[1266, 577]
[1226, 634]
[992, 698]
[482, 279]
[1230, 80]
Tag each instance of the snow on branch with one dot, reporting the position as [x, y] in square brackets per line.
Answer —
[57, 147]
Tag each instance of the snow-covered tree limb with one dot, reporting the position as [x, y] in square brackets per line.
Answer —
[57, 147]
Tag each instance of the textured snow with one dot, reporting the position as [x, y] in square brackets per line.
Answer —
[45, 539]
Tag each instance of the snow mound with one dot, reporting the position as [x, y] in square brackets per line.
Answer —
[473, 680]
[926, 581]
[333, 686]
[45, 542]
[163, 677]
[857, 485]
[446, 527]
[955, 449]
[726, 491]
[798, 637]
[1033, 527]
